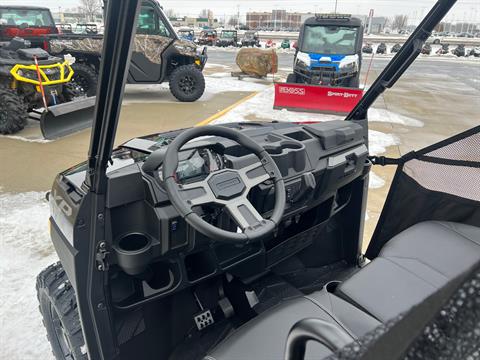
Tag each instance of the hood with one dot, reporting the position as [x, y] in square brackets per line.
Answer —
[185, 47]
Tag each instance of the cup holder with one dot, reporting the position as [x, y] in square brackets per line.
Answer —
[277, 149]
[134, 252]
[332, 286]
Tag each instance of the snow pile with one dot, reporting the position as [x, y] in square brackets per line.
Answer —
[378, 142]
[260, 107]
[25, 249]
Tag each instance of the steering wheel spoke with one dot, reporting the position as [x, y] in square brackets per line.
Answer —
[195, 194]
[254, 174]
[244, 213]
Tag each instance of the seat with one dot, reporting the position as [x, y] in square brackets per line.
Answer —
[263, 338]
[411, 266]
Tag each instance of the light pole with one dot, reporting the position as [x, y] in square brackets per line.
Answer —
[336, 2]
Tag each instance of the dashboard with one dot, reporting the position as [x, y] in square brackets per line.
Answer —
[319, 164]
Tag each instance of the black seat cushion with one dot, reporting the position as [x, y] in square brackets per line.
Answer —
[412, 266]
[263, 338]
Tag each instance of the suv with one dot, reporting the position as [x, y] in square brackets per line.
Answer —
[27, 22]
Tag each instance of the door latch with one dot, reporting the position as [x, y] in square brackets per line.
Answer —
[101, 256]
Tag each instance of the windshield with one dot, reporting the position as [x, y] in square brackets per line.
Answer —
[228, 34]
[329, 40]
[31, 17]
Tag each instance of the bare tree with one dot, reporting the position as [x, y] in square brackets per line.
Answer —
[90, 8]
[233, 21]
[170, 13]
[440, 27]
[399, 22]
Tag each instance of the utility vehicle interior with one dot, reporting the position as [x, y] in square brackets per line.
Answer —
[243, 241]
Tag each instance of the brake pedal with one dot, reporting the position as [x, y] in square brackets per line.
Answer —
[204, 318]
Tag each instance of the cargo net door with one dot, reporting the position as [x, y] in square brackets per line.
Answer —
[440, 182]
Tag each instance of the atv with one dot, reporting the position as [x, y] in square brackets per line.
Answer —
[251, 38]
[208, 37]
[285, 44]
[381, 48]
[459, 50]
[159, 55]
[475, 52]
[33, 81]
[443, 50]
[367, 49]
[187, 34]
[227, 38]
[395, 48]
[426, 49]
[270, 44]
[244, 241]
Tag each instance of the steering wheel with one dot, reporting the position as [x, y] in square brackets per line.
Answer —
[227, 187]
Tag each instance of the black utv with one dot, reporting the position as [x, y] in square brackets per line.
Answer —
[381, 48]
[244, 241]
[251, 38]
[395, 48]
[158, 55]
[459, 50]
[228, 38]
[367, 49]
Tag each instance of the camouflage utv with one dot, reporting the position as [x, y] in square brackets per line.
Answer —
[159, 55]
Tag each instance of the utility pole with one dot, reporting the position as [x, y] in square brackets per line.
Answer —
[336, 1]
[238, 17]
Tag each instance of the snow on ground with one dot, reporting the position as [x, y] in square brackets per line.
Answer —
[215, 84]
[25, 249]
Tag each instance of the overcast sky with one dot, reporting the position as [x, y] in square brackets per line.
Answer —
[468, 10]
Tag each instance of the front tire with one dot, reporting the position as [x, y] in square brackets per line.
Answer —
[58, 306]
[13, 112]
[187, 83]
[85, 79]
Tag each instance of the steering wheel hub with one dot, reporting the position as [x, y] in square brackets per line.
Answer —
[226, 185]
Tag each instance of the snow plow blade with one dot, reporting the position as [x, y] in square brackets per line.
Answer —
[315, 98]
[64, 119]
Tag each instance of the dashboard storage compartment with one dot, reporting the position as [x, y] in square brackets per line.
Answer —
[200, 265]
